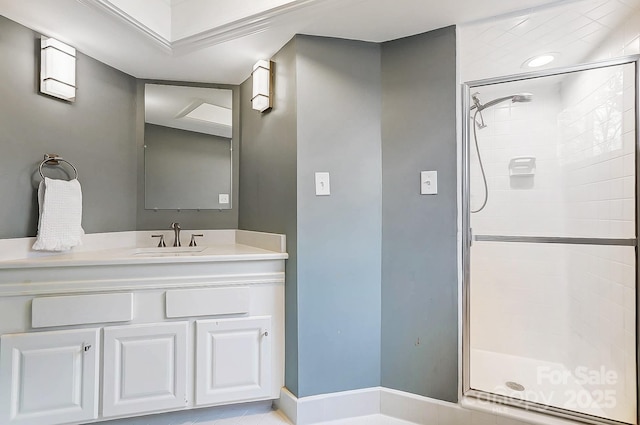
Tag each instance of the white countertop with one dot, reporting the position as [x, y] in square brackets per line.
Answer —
[124, 248]
[212, 253]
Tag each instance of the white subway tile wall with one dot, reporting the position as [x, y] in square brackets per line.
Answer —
[598, 120]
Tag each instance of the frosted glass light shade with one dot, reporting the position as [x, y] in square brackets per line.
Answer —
[262, 99]
[57, 69]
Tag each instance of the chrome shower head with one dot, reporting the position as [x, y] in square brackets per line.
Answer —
[520, 97]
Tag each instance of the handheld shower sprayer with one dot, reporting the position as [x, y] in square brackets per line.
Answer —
[514, 98]
[479, 107]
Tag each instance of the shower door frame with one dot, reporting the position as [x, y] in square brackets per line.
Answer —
[467, 237]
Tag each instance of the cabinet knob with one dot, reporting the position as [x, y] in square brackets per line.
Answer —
[86, 347]
[265, 333]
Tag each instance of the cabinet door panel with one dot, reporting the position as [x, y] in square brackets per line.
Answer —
[145, 368]
[49, 377]
[233, 360]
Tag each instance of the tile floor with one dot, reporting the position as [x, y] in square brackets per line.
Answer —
[243, 415]
[276, 418]
[262, 413]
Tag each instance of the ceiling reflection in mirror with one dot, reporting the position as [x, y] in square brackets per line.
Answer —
[188, 155]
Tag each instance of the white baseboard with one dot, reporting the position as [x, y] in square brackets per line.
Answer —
[404, 406]
[329, 407]
[287, 404]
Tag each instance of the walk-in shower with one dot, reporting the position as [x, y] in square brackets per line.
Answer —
[550, 276]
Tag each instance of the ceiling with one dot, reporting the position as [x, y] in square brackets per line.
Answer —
[218, 41]
[572, 31]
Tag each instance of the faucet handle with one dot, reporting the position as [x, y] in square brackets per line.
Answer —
[161, 244]
[193, 239]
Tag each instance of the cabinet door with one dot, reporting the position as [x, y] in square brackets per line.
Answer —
[233, 360]
[145, 368]
[49, 377]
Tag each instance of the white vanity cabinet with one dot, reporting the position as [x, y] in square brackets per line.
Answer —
[233, 358]
[145, 368]
[130, 369]
[49, 377]
[90, 337]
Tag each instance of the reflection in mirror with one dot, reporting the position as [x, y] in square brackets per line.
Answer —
[187, 147]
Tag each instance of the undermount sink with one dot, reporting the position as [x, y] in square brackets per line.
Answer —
[168, 251]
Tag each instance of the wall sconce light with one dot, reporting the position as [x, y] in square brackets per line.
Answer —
[57, 69]
[262, 75]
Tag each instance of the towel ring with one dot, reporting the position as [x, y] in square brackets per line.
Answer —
[55, 159]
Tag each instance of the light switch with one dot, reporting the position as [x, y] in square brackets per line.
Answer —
[223, 198]
[428, 182]
[323, 186]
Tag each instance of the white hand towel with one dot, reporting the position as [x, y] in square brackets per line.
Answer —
[60, 223]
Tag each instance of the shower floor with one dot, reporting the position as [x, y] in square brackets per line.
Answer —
[544, 382]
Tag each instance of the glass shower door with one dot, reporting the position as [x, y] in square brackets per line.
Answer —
[550, 264]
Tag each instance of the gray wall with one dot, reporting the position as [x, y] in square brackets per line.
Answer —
[185, 169]
[419, 277]
[339, 236]
[149, 219]
[334, 242]
[372, 116]
[102, 134]
[96, 134]
[372, 279]
[268, 200]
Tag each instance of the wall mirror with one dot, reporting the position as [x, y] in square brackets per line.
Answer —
[187, 147]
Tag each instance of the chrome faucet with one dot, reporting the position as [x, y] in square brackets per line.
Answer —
[176, 230]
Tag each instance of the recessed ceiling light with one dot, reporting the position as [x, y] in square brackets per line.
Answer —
[540, 60]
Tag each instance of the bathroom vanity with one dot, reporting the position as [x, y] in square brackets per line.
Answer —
[123, 328]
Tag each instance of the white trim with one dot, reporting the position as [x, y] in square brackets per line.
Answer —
[329, 407]
[138, 284]
[221, 34]
[287, 404]
[404, 406]
[109, 8]
[243, 27]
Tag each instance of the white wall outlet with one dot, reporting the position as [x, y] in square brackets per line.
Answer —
[223, 198]
[323, 186]
[428, 182]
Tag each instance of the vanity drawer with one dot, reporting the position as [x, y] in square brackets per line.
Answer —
[81, 309]
[207, 302]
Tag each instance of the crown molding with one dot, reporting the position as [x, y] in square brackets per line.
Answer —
[243, 27]
[109, 8]
[240, 28]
